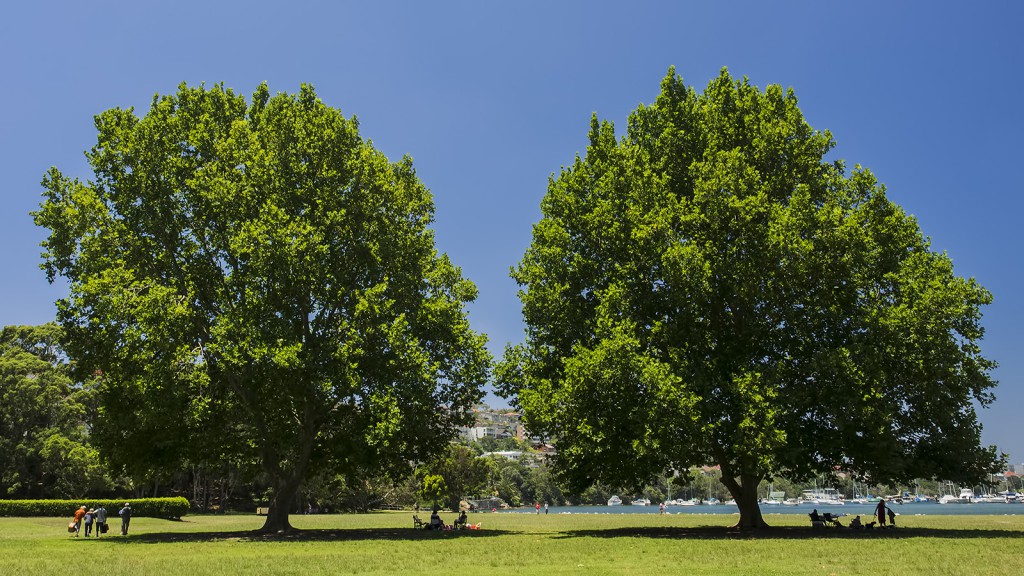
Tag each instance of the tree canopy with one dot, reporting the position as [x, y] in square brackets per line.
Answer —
[44, 447]
[257, 282]
[454, 474]
[711, 289]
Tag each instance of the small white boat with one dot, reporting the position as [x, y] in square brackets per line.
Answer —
[966, 497]
[822, 497]
[615, 501]
[641, 502]
[774, 496]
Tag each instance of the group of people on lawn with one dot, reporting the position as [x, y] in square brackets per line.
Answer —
[98, 517]
[436, 523]
[882, 513]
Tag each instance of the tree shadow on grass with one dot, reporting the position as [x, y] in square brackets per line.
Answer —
[789, 533]
[314, 535]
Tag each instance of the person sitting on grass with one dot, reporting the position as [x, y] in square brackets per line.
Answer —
[855, 523]
[461, 522]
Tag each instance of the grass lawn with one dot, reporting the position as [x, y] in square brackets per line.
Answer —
[514, 544]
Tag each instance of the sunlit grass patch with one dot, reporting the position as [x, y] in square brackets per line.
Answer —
[585, 544]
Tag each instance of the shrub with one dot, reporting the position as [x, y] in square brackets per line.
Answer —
[172, 508]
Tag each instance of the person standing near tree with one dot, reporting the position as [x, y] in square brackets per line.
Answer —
[126, 518]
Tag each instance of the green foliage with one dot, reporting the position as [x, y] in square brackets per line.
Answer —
[488, 444]
[709, 289]
[170, 508]
[44, 446]
[433, 489]
[521, 485]
[358, 493]
[461, 472]
[74, 468]
[508, 481]
[257, 282]
[543, 486]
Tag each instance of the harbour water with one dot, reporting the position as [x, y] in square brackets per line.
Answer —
[865, 510]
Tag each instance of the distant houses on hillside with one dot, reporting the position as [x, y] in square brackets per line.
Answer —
[502, 425]
[499, 425]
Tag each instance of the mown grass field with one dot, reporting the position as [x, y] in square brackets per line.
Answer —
[513, 544]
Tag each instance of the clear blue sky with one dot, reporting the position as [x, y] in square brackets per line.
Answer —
[490, 98]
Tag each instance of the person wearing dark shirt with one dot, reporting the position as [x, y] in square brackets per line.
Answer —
[126, 518]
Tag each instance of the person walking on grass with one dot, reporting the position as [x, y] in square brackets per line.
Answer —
[126, 518]
[101, 520]
[79, 515]
[88, 521]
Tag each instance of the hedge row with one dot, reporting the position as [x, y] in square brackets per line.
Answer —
[151, 507]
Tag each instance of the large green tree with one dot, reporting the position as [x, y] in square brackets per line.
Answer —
[711, 289]
[463, 474]
[44, 443]
[256, 281]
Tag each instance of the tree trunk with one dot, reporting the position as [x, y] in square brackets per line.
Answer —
[744, 491]
[750, 511]
[280, 507]
[287, 478]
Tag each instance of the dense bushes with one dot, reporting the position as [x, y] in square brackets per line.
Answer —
[151, 507]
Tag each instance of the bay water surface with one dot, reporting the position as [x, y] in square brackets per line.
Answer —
[864, 510]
